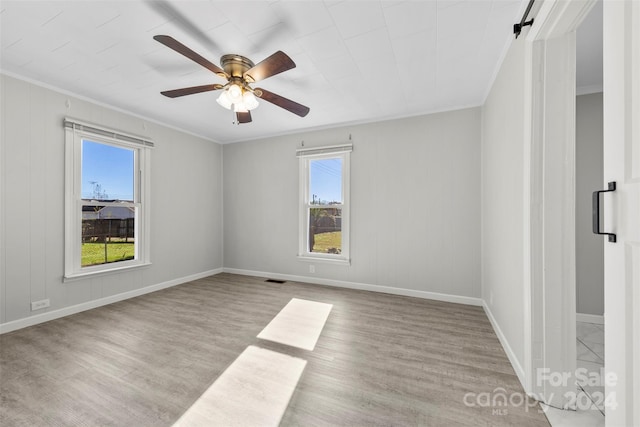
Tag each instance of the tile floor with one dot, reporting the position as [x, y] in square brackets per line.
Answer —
[590, 355]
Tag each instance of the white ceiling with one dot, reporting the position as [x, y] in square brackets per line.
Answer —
[357, 61]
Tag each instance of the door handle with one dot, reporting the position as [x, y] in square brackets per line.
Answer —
[595, 211]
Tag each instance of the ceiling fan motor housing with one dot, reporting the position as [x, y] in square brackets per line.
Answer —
[236, 65]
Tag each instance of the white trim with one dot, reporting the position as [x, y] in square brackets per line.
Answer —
[328, 259]
[391, 117]
[557, 18]
[121, 267]
[3, 274]
[349, 125]
[515, 363]
[102, 104]
[598, 319]
[318, 151]
[549, 264]
[67, 311]
[531, 218]
[457, 299]
[94, 130]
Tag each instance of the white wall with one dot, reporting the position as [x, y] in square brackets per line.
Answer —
[415, 204]
[186, 177]
[502, 201]
[589, 178]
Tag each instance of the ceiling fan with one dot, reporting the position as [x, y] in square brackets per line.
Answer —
[239, 72]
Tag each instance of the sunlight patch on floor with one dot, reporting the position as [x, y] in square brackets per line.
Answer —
[253, 391]
[298, 324]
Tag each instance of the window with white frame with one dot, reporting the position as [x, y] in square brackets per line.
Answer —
[324, 203]
[106, 197]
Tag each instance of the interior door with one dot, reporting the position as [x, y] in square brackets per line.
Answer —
[622, 211]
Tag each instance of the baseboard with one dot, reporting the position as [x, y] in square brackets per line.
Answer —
[360, 286]
[515, 363]
[62, 312]
[590, 318]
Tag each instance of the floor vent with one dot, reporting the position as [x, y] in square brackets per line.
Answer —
[275, 281]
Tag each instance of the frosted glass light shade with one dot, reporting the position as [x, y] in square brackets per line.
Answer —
[249, 100]
[235, 93]
[224, 100]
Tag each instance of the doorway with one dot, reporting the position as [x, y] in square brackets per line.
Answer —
[589, 246]
[552, 294]
[550, 138]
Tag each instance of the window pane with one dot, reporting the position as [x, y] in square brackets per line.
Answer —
[107, 172]
[108, 234]
[325, 230]
[325, 181]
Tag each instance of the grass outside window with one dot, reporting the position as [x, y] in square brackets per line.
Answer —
[104, 253]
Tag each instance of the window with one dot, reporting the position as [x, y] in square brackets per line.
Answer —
[324, 203]
[106, 186]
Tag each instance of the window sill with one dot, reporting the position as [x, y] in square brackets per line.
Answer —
[89, 274]
[325, 260]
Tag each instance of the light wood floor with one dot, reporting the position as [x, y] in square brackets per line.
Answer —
[380, 360]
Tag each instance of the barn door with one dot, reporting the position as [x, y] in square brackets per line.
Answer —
[621, 211]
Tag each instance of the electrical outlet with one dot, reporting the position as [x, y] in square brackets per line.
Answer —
[38, 305]
[312, 269]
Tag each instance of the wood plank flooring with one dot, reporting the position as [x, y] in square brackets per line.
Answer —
[381, 360]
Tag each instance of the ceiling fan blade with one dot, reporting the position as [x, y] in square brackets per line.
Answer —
[190, 90]
[174, 44]
[275, 64]
[283, 102]
[171, 13]
[243, 117]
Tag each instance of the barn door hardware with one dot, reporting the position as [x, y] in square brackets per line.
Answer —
[595, 211]
[517, 28]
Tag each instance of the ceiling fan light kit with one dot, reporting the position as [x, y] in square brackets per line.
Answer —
[239, 72]
[238, 98]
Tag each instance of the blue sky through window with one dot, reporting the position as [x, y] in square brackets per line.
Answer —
[325, 181]
[107, 172]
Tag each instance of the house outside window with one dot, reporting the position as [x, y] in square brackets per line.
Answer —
[324, 203]
[106, 186]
